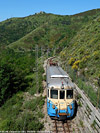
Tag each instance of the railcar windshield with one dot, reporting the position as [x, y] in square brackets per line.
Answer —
[62, 94]
[69, 94]
[54, 94]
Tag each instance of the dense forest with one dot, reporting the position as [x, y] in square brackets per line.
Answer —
[75, 39]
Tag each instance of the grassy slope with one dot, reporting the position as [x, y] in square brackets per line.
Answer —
[56, 31]
[85, 47]
[83, 56]
[48, 35]
[15, 28]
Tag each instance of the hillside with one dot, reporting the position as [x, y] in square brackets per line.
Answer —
[82, 57]
[74, 38]
[18, 103]
[16, 28]
[53, 29]
[57, 32]
[85, 48]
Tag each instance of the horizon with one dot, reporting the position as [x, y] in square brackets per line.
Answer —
[48, 13]
[23, 8]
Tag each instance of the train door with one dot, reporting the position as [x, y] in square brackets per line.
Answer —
[62, 99]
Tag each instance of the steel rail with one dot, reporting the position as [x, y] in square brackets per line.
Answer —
[68, 127]
[63, 127]
[56, 126]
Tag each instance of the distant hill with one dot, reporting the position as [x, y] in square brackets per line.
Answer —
[43, 28]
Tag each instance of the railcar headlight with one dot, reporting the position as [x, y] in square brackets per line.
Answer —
[53, 106]
[70, 106]
[56, 104]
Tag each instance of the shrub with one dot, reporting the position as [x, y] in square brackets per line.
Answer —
[76, 64]
[62, 54]
[75, 67]
[82, 62]
[96, 55]
[81, 50]
[71, 61]
[93, 125]
[81, 123]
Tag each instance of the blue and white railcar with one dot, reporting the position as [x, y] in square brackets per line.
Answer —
[60, 95]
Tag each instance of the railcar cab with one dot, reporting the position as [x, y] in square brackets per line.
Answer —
[60, 102]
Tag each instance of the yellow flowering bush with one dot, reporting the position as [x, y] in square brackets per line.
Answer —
[75, 67]
[82, 63]
[71, 61]
[76, 64]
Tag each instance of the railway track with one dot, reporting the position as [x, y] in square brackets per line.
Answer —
[61, 127]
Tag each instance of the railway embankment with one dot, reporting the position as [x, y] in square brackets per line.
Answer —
[87, 114]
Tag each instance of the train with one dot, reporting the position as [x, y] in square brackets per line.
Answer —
[60, 92]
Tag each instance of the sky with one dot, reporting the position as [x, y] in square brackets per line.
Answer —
[22, 8]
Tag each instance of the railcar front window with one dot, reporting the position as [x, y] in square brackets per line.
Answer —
[62, 94]
[69, 94]
[54, 94]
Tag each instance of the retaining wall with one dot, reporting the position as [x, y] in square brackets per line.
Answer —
[87, 114]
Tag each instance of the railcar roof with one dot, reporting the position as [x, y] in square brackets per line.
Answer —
[56, 76]
[57, 71]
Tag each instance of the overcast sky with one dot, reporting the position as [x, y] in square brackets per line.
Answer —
[22, 8]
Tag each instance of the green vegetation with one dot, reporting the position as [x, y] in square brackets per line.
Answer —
[83, 52]
[20, 117]
[46, 30]
[79, 103]
[14, 67]
[18, 85]
[81, 123]
[93, 124]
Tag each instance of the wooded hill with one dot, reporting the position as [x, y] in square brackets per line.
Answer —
[75, 38]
